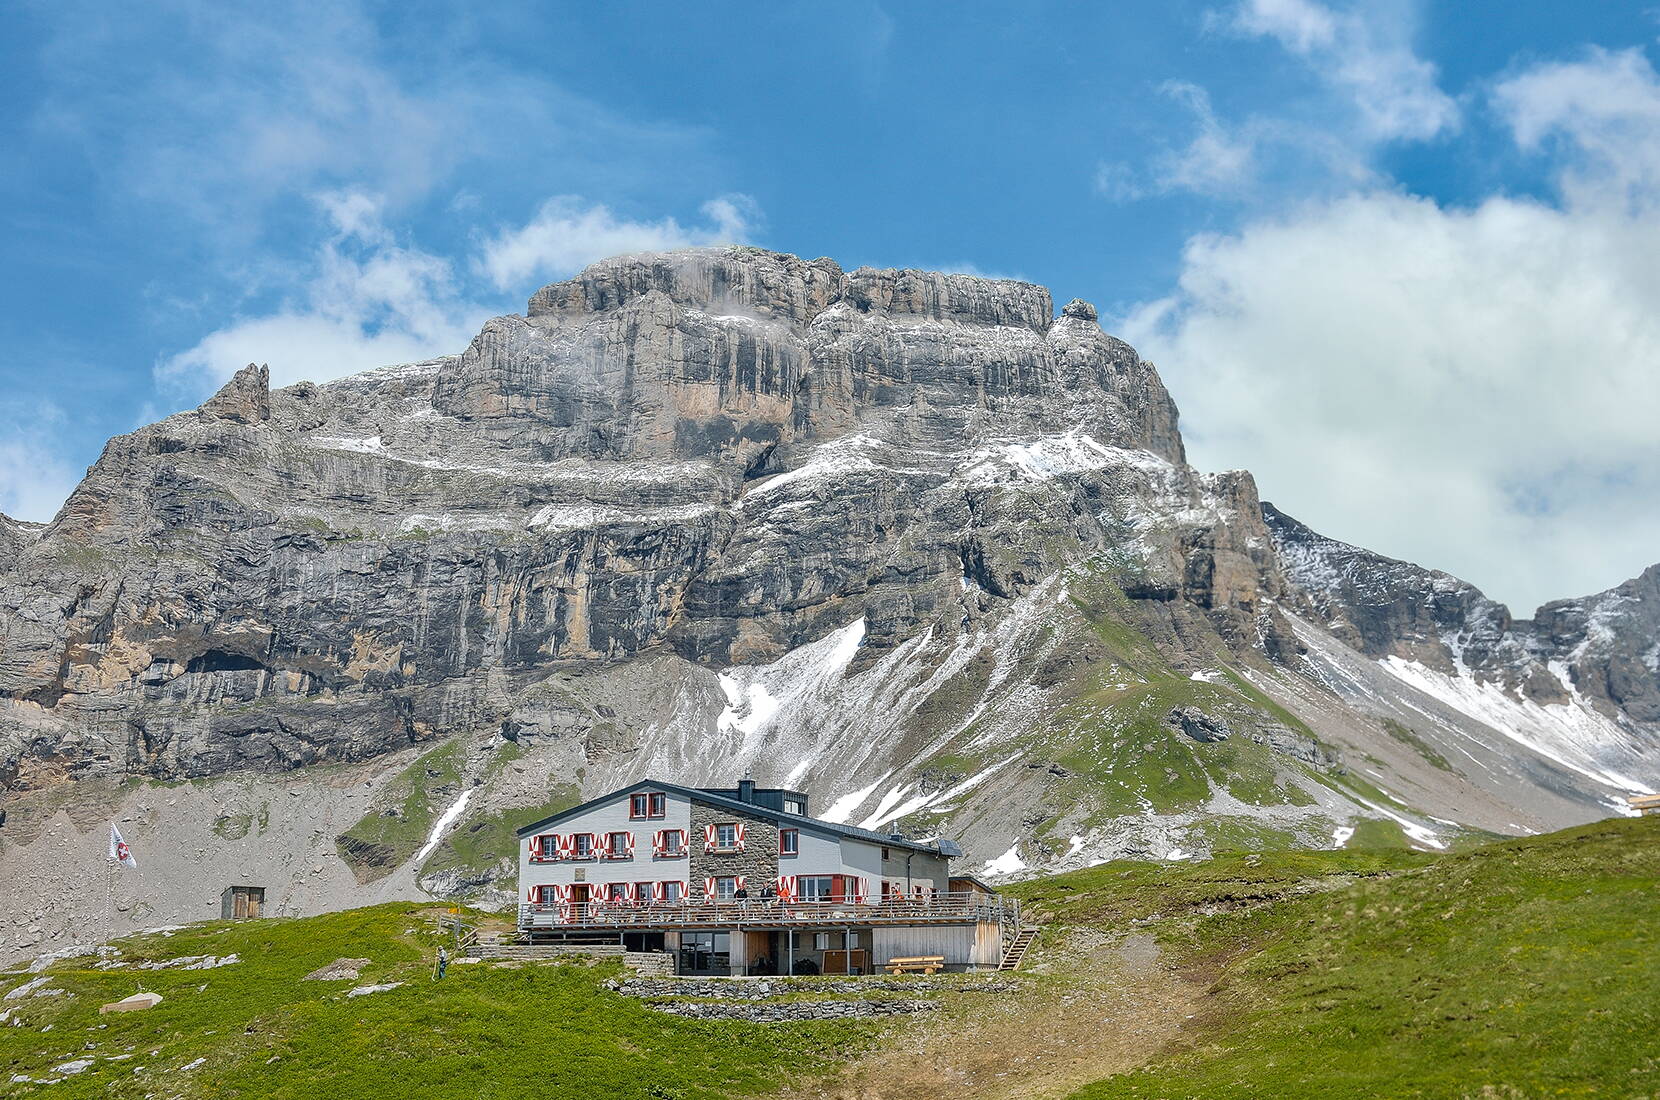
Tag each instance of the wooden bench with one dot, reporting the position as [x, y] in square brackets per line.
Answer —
[1645, 803]
[915, 964]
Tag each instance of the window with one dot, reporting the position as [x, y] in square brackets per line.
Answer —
[726, 837]
[648, 804]
[789, 842]
[726, 888]
[674, 891]
[673, 843]
[619, 891]
[582, 846]
[642, 891]
[886, 855]
[795, 806]
[816, 887]
[619, 845]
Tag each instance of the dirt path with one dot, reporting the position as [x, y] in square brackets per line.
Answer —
[1105, 1005]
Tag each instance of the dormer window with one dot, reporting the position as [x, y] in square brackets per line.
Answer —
[795, 806]
[648, 804]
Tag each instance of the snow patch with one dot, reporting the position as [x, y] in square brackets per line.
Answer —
[834, 459]
[1341, 835]
[443, 823]
[1571, 734]
[886, 811]
[366, 445]
[1411, 828]
[842, 808]
[1006, 864]
[554, 517]
[757, 695]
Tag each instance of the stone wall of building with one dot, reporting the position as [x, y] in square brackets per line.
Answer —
[757, 863]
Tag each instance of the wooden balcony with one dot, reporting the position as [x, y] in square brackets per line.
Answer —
[955, 907]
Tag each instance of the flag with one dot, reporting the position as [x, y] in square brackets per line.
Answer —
[119, 851]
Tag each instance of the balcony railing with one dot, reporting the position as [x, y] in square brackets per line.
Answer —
[953, 907]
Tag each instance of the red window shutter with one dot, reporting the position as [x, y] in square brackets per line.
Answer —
[739, 885]
[629, 852]
[708, 838]
[709, 888]
[741, 830]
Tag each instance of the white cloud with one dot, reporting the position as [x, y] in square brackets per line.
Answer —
[1301, 25]
[34, 479]
[567, 234]
[283, 101]
[1366, 55]
[1606, 108]
[368, 302]
[1374, 91]
[1219, 160]
[1473, 389]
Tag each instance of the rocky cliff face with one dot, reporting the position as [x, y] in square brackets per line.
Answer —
[912, 541]
[1578, 681]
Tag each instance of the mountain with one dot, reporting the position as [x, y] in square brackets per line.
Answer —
[914, 542]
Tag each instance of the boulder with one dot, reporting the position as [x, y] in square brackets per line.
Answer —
[339, 970]
[1199, 725]
[138, 1002]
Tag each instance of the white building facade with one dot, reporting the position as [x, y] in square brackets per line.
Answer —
[742, 880]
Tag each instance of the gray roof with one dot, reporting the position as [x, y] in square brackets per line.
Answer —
[936, 848]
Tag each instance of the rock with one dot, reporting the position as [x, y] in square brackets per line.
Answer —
[26, 989]
[1199, 725]
[190, 962]
[245, 399]
[1079, 309]
[71, 1068]
[337, 971]
[138, 1002]
[365, 990]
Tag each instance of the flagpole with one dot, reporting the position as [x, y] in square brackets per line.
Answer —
[109, 899]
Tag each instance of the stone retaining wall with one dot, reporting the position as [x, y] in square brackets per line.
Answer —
[782, 1011]
[762, 989]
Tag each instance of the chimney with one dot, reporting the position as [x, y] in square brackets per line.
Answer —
[746, 790]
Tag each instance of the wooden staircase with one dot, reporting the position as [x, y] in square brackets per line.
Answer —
[1016, 951]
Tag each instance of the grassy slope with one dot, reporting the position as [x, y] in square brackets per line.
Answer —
[1127, 759]
[404, 812]
[1524, 968]
[483, 1032]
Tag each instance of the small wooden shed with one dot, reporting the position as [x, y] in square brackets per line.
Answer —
[241, 902]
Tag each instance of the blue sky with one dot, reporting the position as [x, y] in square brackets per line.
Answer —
[1398, 259]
